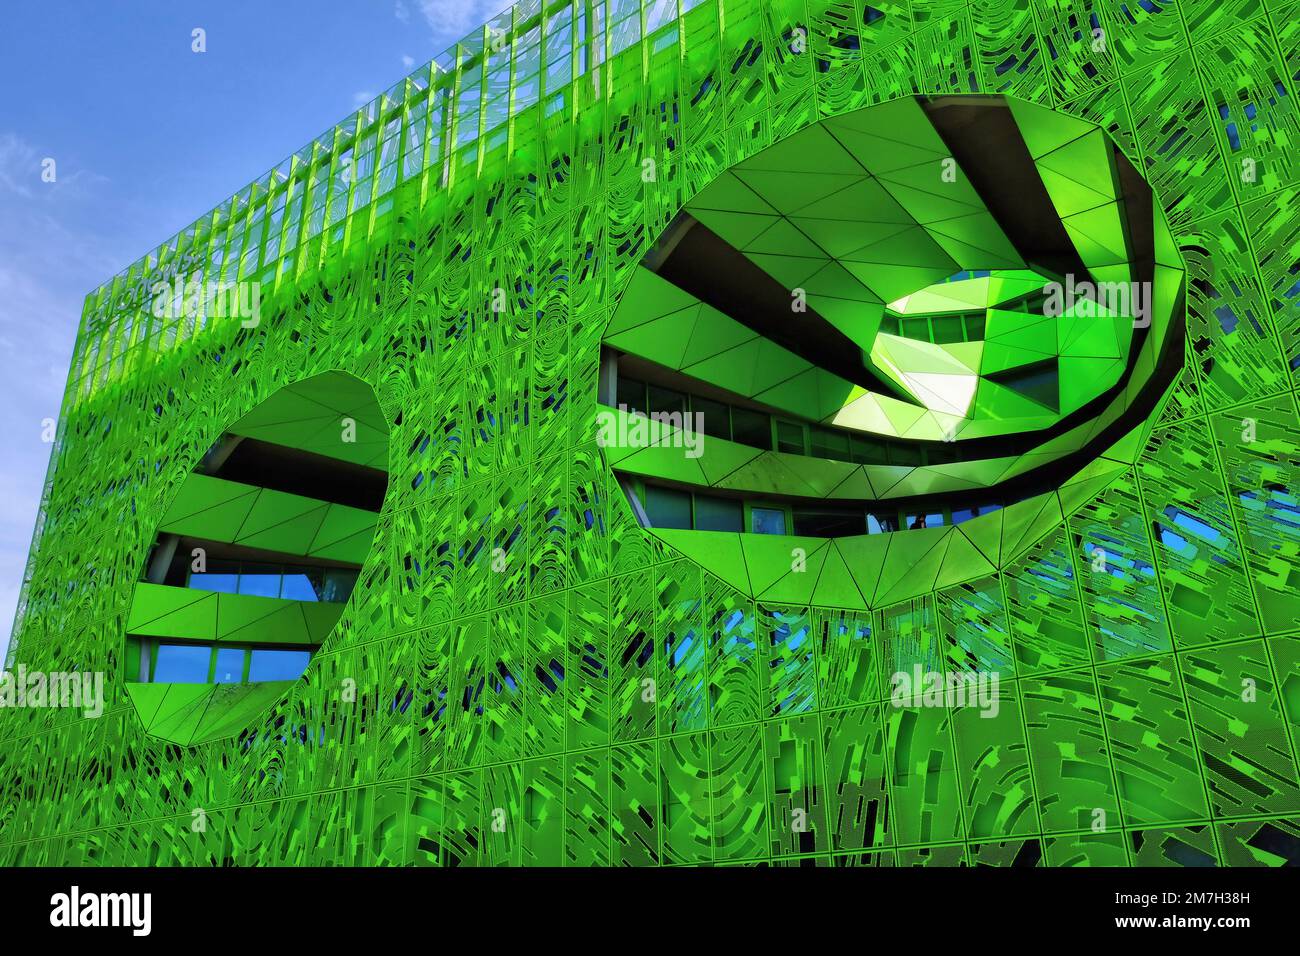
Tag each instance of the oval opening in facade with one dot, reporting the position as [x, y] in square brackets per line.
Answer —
[256, 559]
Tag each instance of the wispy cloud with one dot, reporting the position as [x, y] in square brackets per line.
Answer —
[20, 167]
[449, 20]
[47, 264]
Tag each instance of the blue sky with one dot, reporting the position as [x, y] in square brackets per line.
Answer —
[146, 136]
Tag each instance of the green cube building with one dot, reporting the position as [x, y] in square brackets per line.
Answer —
[694, 432]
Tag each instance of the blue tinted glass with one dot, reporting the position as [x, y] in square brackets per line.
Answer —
[278, 665]
[298, 587]
[883, 523]
[667, 507]
[338, 585]
[230, 665]
[182, 664]
[962, 514]
[767, 521]
[260, 584]
[225, 583]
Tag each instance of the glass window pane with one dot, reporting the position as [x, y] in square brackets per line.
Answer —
[881, 523]
[667, 508]
[715, 417]
[767, 520]
[302, 585]
[947, 328]
[182, 664]
[277, 665]
[262, 580]
[789, 437]
[908, 455]
[869, 451]
[819, 524]
[830, 444]
[962, 514]
[718, 514]
[942, 453]
[338, 585]
[631, 394]
[751, 428]
[918, 329]
[222, 583]
[666, 400]
[975, 327]
[933, 519]
[230, 665]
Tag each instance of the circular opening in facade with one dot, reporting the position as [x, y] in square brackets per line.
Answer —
[906, 328]
[256, 559]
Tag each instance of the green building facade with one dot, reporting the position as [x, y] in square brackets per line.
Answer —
[963, 527]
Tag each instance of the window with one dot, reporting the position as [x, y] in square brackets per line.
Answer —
[289, 583]
[667, 508]
[718, 514]
[277, 665]
[260, 580]
[631, 394]
[666, 400]
[715, 417]
[944, 453]
[182, 664]
[217, 575]
[767, 520]
[829, 524]
[947, 329]
[751, 428]
[881, 523]
[223, 582]
[906, 455]
[868, 451]
[305, 584]
[830, 444]
[338, 584]
[789, 437]
[932, 519]
[196, 663]
[230, 665]
[916, 328]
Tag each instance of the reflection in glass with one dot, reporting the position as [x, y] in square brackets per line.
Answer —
[230, 665]
[182, 664]
[277, 665]
[767, 520]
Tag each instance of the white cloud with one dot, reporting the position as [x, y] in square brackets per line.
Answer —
[408, 61]
[361, 97]
[450, 20]
[20, 167]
